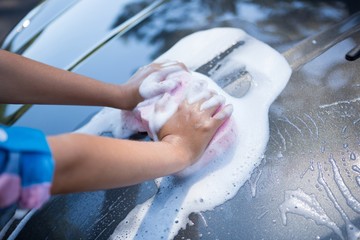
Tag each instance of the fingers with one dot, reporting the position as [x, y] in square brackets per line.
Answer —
[164, 68]
[164, 108]
[192, 126]
[155, 85]
[212, 107]
[197, 91]
[224, 113]
[214, 102]
[170, 63]
[157, 82]
[215, 110]
[207, 99]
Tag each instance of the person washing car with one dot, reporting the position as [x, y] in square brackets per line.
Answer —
[34, 166]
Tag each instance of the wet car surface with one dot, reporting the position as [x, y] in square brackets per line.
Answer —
[313, 151]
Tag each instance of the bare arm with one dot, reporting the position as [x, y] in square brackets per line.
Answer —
[86, 163]
[27, 81]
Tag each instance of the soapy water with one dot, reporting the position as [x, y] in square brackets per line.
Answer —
[351, 201]
[299, 203]
[352, 232]
[306, 205]
[234, 152]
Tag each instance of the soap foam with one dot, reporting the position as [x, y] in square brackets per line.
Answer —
[239, 146]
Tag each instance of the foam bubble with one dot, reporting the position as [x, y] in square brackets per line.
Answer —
[236, 149]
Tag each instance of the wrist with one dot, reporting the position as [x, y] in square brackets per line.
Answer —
[181, 151]
[125, 96]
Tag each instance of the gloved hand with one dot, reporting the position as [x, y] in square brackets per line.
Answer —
[26, 167]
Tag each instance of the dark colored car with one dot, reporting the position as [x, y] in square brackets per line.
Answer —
[308, 184]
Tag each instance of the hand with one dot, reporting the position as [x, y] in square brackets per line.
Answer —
[149, 81]
[191, 128]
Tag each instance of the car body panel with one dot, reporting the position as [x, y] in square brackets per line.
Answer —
[314, 123]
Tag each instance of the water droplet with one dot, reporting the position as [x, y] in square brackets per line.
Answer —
[314, 42]
[355, 168]
[358, 180]
[352, 156]
[345, 145]
[322, 149]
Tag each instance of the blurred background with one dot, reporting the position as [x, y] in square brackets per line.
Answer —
[11, 12]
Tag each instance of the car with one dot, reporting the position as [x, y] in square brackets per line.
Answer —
[307, 185]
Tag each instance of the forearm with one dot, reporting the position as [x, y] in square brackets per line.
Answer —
[26, 81]
[85, 163]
